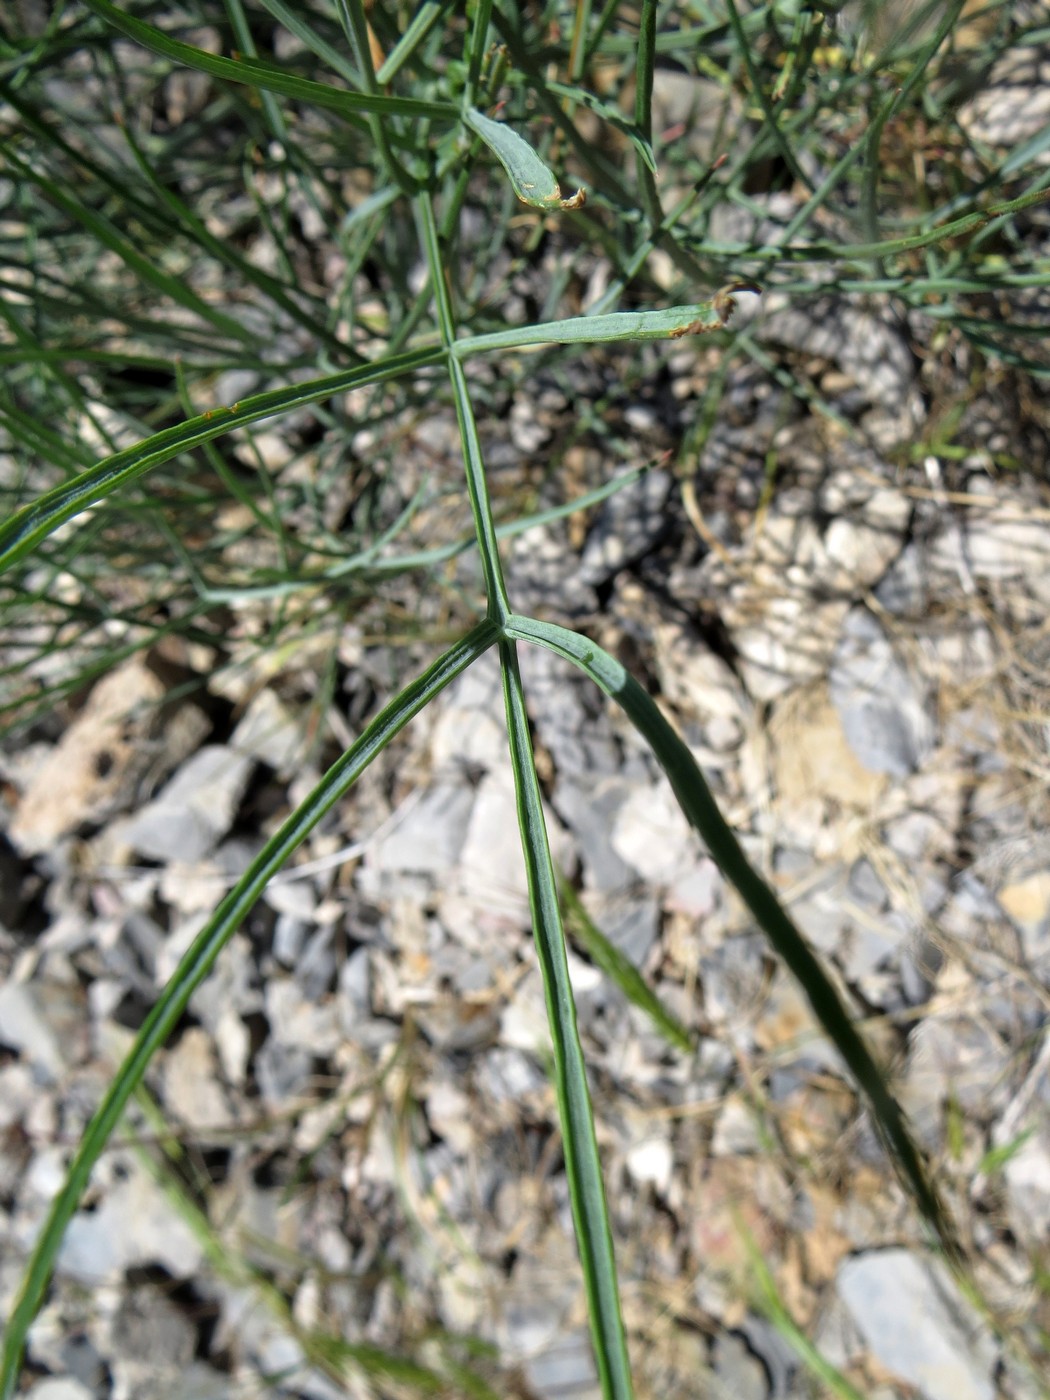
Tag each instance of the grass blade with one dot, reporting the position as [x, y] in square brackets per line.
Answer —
[419, 27]
[197, 963]
[586, 934]
[643, 146]
[773, 1306]
[296, 24]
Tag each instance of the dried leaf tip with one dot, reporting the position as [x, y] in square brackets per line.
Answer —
[555, 200]
[723, 301]
[716, 313]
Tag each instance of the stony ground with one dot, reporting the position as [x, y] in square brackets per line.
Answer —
[353, 1134]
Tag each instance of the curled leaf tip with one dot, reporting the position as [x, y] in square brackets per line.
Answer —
[555, 199]
[533, 182]
[723, 301]
[713, 315]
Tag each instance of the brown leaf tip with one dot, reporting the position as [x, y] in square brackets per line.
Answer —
[723, 300]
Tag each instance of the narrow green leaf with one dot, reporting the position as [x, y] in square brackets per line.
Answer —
[583, 1167]
[477, 46]
[197, 963]
[671, 323]
[855, 252]
[609, 114]
[186, 219]
[65, 353]
[373, 561]
[294, 20]
[643, 90]
[36, 521]
[419, 27]
[997, 1157]
[582, 1164]
[586, 934]
[264, 75]
[770, 1302]
[532, 181]
[111, 237]
[769, 111]
[702, 811]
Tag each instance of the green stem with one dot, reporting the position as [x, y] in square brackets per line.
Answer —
[478, 38]
[768, 111]
[356, 26]
[643, 111]
[582, 1164]
[477, 487]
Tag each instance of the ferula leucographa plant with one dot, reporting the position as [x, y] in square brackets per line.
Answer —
[375, 129]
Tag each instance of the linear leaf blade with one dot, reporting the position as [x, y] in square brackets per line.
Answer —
[605, 955]
[34, 522]
[197, 963]
[697, 802]
[533, 182]
[669, 323]
[582, 1164]
[265, 75]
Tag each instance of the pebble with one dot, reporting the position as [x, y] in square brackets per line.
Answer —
[917, 1326]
